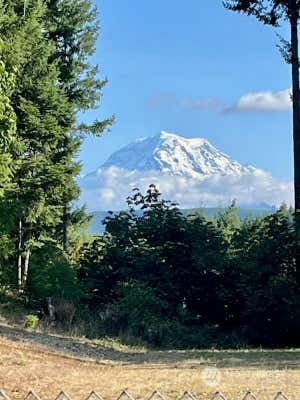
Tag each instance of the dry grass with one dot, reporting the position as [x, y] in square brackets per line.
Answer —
[25, 366]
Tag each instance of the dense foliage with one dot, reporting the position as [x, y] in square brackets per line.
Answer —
[169, 279]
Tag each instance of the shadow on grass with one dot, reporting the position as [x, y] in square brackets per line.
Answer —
[93, 350]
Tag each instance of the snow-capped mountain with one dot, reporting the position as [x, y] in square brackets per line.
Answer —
[175, 155]
[190, 171]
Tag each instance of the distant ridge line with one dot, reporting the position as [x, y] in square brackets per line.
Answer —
[97, 226]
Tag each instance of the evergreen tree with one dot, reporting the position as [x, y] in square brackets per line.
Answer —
[72, 25]
[49, 44]
[272, 12]
[7, 143]
[7, 123]
[41, 108]
[228, 222]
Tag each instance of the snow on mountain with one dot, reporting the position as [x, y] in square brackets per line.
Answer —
[190, 171]
[175, 155]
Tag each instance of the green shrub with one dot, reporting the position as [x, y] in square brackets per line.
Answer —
[31, 321]
[52, 275]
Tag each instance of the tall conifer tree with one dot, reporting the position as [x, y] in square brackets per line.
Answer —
[73, 27]
[7, 143]
[49, 43]
[272, 12]
[7, 126]
[41, 108]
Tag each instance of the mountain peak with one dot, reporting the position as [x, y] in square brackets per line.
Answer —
[176, 155]
[164, 135]
[190, 171]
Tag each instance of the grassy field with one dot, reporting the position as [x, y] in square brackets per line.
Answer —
[49, 363]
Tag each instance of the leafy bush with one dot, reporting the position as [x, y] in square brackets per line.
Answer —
[31, 321]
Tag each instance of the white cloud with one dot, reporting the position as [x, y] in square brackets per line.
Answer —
[263, 101]
[108, 189]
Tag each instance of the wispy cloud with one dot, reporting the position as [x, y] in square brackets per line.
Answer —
[261, 101]
[190, 103]
[108, 188]
[265, 101]
[204, 103]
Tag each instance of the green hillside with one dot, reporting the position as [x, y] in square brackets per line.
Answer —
[97, 226]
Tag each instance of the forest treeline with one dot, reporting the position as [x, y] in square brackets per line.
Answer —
[158, 277]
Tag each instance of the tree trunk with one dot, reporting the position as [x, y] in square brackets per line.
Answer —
[26, 269]
[20, 256]
[65, 228]
[296, 130]
[23, 263]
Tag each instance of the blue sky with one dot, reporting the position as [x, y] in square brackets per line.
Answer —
[178, 66]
